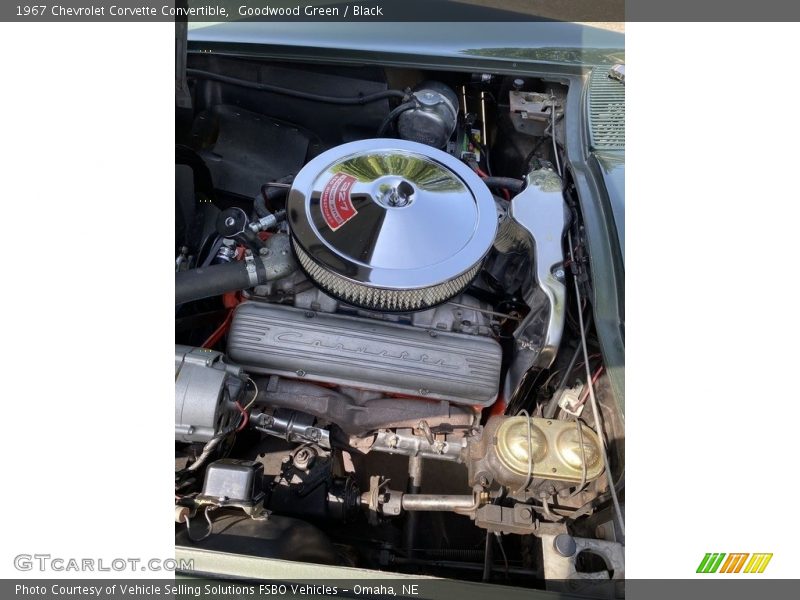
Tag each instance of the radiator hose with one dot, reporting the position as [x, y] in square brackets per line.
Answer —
[215, 280]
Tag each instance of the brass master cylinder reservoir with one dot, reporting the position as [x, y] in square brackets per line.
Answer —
[512, 447]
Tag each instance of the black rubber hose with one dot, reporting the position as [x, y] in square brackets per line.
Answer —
[512, 185]
[266, 87]
[264, 202]
[393, 115]
[214, 280]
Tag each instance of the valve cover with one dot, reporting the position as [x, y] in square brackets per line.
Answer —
[390, 225]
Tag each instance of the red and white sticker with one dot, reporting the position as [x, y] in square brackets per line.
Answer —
[335, 203]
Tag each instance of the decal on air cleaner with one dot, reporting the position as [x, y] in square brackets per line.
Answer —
[335, 203]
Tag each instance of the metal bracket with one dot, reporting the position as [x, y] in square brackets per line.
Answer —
[537, 220]
[560, 565]
[519, 519]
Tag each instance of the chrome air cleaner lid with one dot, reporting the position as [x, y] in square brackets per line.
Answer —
[389, 224]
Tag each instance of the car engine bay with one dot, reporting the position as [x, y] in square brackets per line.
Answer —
[385, 354]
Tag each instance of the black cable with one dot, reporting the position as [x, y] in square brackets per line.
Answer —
[265, 202]
[497, 536]
[531, 154]
[389, 119]
[267, 87]
[487, 558]
[207, 534]
[619, 484]
[512, 185]
[212, 238]
[544, 138]
[550, 410]
[212, 252]
[484, 151]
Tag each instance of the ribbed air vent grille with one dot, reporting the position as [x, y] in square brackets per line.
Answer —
[606, 111]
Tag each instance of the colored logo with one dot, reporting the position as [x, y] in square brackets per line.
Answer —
[719, 562]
